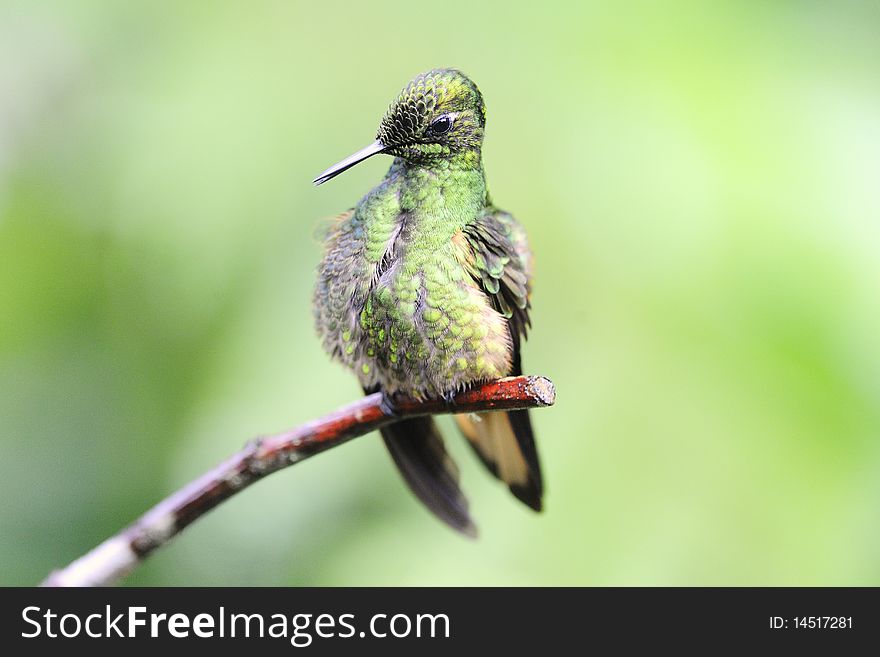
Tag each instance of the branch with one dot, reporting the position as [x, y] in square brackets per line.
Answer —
[120, 554]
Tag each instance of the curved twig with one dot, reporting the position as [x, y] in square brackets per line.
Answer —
[120, 554]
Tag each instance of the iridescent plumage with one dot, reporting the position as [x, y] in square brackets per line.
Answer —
[424, 289]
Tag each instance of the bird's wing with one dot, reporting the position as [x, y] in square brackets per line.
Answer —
[497, 256]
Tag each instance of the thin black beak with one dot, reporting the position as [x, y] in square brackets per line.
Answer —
[350, 161]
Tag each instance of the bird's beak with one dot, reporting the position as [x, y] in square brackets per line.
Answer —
[376, 147]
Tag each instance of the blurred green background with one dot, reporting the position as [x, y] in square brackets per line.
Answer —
[700, 184]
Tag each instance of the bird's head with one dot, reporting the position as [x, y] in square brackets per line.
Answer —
[439, 115]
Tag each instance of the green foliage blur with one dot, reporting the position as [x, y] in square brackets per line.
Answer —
[700, 184]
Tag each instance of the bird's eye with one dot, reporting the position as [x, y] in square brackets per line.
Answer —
[441, 125]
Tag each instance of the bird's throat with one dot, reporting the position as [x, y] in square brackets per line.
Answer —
[441, 198]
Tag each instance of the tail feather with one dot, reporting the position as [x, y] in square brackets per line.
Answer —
[505, 444]
[418, 451]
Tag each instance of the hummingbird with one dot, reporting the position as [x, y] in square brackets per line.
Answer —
[424, 291]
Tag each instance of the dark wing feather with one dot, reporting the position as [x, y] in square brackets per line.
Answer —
[500, 261]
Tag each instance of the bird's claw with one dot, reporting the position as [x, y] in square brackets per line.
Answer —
[386, 405]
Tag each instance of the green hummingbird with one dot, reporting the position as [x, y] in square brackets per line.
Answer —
[424, 290]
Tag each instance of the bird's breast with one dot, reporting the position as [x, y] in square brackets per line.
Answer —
[397, 304]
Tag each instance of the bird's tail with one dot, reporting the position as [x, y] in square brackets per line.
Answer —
[417, 448]
[506, 445]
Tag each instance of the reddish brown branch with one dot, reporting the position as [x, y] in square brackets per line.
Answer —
[117, 556]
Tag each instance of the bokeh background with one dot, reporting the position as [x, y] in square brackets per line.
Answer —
[700, 183]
